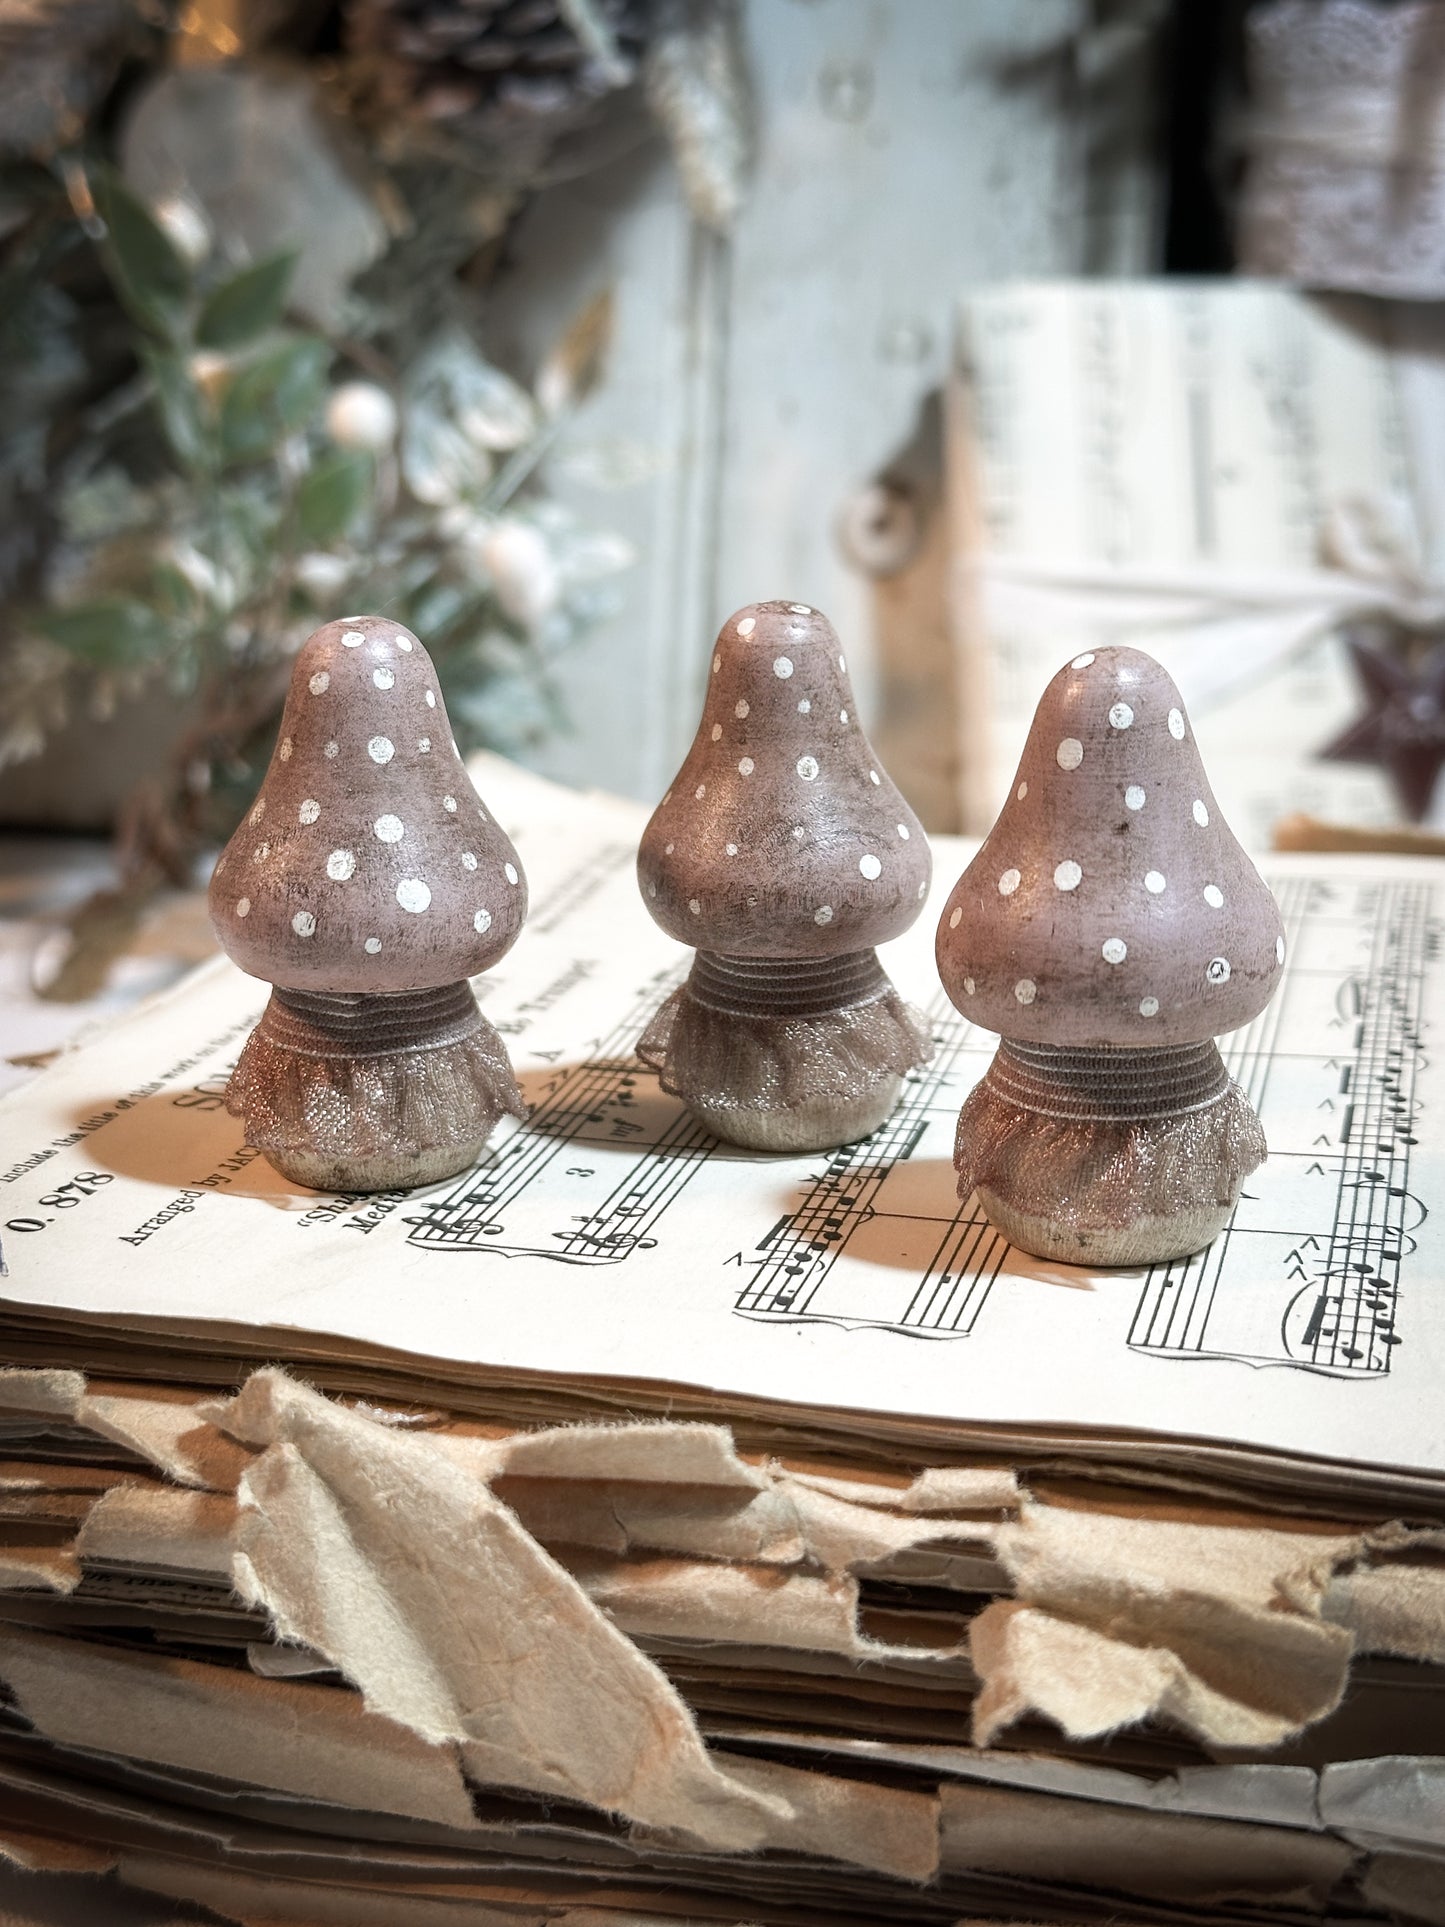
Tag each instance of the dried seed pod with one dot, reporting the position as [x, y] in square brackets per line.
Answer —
[1109, 929]
[367, 884]
[784, 854]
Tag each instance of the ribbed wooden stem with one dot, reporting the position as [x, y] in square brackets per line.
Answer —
[779, 987]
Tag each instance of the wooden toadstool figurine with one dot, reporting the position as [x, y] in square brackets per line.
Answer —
[367, 884]
[783, 854]
[1110, 929]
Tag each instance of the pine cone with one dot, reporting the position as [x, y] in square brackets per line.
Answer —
[512, 76]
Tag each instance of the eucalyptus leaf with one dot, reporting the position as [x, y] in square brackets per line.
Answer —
[272, 396]
[179, 403]
[151, 273]
[247, 305]
[114, 630]
[333, 494]
[457, 409]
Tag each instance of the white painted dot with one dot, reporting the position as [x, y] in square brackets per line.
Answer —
[842, 665]
[1218, 971]
[352, 639]
[870, 867]
[1201, 815]
[731, 848]
[509, 871]
[423, 743]
[1068, 876]
[384, 678]
[1115, 950]
[1026, 990]
[700, 792]
[800, 609]
[1120, 716]
[261, 852]
[285, 750]
[746, 766]
[923, 890]
[1133, 797]
[319, 683]
[449, 804]
[1154, 883]
[309, 811]
[469, 862]
[716, 664]
[403, 643]
[1022, 791]
[743, 708]
[372, 946]
[380, 749]
[747, 625]
[340, 865]
[782, 668]
[1009, 882]
[903, 831]
[1148, 1006]
[955, 919]
[1214, 896]
[652, 889]
[1176, 725]
[304, 924]
[1081, 662]
[1279, 949]
[259, 811]
[482, 922]
[823, 913]
[842, 715]
[694, 906]
[243, 907]
[389, 829]
[669, 850]
[805, 708]
[969, 986]
[431, 701]
[412, 894]
[874, 777]
[1070, 753]
[799, 832]
[807, 768]
[331, 751]
[717, 732]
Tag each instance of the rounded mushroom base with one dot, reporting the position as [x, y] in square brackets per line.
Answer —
[1147, 1241]
[321, 1171]
[787, 1057]
[820, 1125]
[369, 1092]
[1107, 1157]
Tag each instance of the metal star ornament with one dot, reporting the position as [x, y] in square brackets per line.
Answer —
[1403, 729]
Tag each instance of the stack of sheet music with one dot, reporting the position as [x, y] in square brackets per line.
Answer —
[639, 1530]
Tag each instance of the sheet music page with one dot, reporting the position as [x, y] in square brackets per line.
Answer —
[1179, 428]
[612, 1237]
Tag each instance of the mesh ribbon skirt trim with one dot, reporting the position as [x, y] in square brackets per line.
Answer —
[365, 1076]
[1109, 1141]
[834, 1034]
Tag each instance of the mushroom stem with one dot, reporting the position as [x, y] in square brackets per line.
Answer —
[1107, 1156]
[782, 1055]
[372, 1091]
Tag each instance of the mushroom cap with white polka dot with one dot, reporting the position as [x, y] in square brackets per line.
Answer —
[782, 835]
[1110, 904]
[367, 862]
